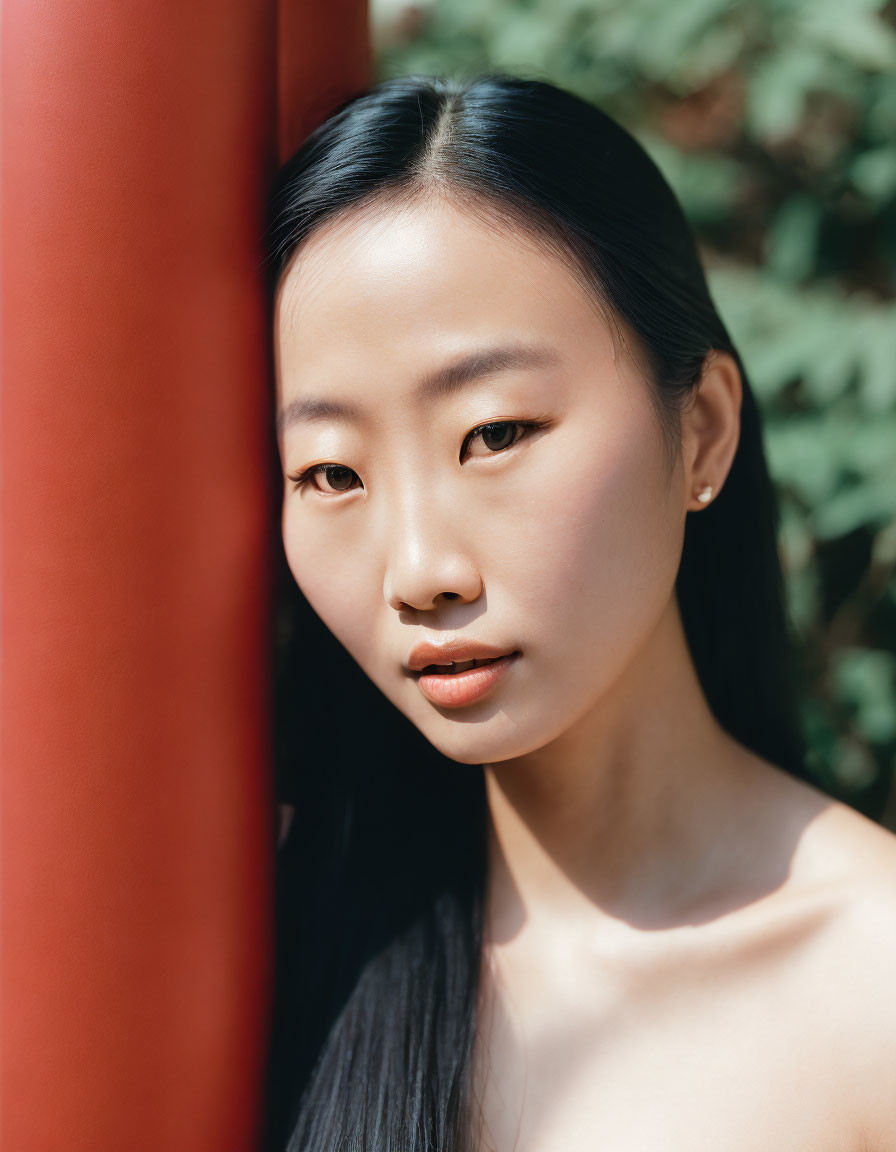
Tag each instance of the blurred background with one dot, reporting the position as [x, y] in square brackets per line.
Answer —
[775, 123]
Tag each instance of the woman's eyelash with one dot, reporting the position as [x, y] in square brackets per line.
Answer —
[303, 477]
[526, 425]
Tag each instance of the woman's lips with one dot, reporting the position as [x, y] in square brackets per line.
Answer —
[454, 689]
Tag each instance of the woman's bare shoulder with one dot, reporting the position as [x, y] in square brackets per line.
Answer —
[827, 841]
[853, 858]
[843, 846]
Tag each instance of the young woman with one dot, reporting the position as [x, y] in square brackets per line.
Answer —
[524, 488]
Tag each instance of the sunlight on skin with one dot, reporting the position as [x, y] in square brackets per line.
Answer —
[645, 869]
[565, 546]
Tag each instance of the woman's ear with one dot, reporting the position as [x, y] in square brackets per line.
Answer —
[710, 428]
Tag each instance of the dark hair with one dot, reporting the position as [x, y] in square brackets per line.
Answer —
[384, 922]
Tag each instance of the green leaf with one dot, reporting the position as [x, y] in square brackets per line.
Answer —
[876, 355]
[854, 765]
[847, 31]
[874, 173]
[673, 33]
[869, 503]
[865, 680]
[802, 456]
[791, 240]
[778, 89]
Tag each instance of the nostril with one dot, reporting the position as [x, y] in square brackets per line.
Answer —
[451, 595]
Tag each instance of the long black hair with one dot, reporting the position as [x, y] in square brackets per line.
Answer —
[382, 877]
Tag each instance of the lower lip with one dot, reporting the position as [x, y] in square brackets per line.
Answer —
[454, 689]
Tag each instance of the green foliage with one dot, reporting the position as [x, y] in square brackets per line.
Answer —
[775, 123]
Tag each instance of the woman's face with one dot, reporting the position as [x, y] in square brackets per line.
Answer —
[560, 542]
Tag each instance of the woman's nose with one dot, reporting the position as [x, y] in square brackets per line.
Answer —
[426, 560]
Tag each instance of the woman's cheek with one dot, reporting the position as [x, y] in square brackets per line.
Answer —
[597, 555]
[331, 574]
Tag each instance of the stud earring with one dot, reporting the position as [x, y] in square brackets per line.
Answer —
[706, 495]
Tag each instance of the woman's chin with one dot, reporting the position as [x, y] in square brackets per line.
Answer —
[472, 747]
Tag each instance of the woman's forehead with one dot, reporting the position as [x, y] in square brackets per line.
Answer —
[426, 274]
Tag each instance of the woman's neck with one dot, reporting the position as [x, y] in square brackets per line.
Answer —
[626, 817]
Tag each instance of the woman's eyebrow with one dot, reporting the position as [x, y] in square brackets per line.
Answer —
[481, 362]
[445, 381]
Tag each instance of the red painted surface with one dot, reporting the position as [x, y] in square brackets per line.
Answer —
[138, 141]
[323, 57]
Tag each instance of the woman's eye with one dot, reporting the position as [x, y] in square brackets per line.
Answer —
[337, 477]
[500, 434]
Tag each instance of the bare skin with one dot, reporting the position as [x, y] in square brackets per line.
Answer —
[686, 948]
[745, 1003]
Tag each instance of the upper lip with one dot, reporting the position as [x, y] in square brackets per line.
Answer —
[452, 651]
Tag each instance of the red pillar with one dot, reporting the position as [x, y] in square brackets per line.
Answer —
[138, 142]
